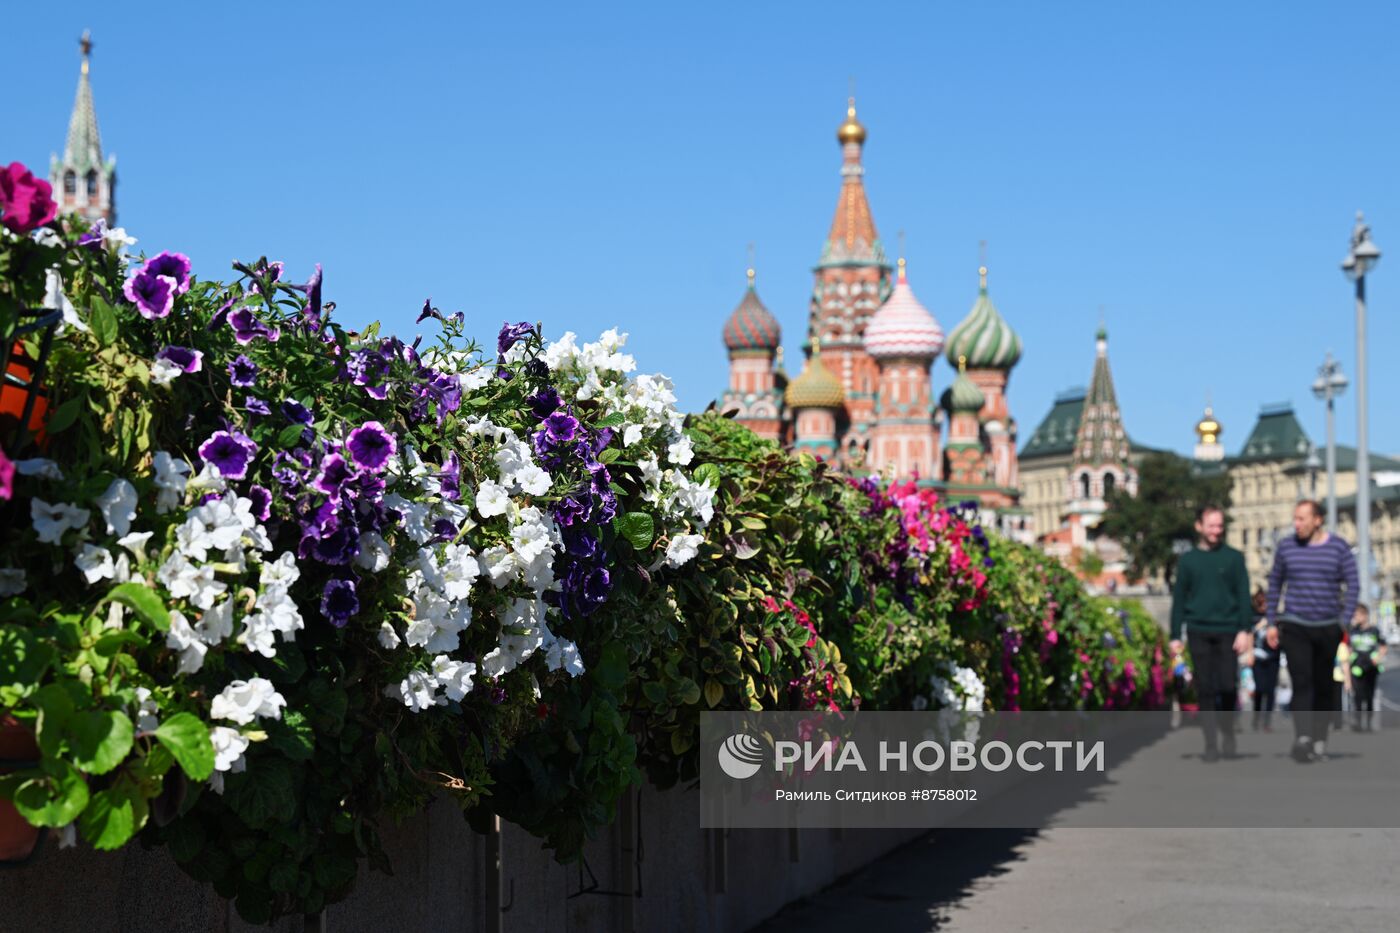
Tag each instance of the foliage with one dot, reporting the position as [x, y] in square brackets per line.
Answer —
[267, 581]
[1162, 513]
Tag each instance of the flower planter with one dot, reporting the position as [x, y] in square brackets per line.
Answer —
[18, 840]
[24, 403]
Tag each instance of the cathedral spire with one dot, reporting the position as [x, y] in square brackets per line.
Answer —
[84, 181]
[1101, 438]
[853, 240]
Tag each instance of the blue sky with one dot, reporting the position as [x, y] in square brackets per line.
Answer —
[1190, 167]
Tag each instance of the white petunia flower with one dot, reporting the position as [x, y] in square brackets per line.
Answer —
[245, 700]
[374, 552]
[12, 581]
[280, 572]
[37, 466]
[500, 564]
[216, 624]
[118, 507]
[455, 677]
[135, 542]
[146, 710]
[182, 638]
[53, 521]
[631, 434]
[171, 479]
[258, 635]
[95, 563]
[229, 746]
[682, 549]
[388, 638]
[417, 691]
[491, 499]
[54, 298]
[164, 372]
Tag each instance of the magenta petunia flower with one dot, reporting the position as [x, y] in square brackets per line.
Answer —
[27, 201]
[229, 452]
[371, 446]
[7, 478]
[153, 295]
[175, 265]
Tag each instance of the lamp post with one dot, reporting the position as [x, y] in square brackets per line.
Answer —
[1362, 259]
[1329, 384]
[1313, 464]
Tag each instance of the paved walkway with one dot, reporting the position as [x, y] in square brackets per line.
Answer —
[1082, 880]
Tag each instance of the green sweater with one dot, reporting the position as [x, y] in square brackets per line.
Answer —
[1211, 592]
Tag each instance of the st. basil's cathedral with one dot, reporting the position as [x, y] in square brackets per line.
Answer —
[865, 398]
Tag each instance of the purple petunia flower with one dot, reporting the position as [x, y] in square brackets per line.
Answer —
[311, 314]
[256, 405]
[229, 452]
[444, 529]
[247, 327]
[175, 265]
[339, 602]
[511, 334]
[450, 478]
[153, 295]
[544, 402]
[261, 497]
[96, 235]
[334, 473]
[189, 361]
[296, 412]
[371, 446]
[574, 507]
[561, 427]
[242, 372]
[428, 311]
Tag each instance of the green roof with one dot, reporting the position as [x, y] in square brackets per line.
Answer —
[1379, 494]
[1056, 433]
[1277, 435]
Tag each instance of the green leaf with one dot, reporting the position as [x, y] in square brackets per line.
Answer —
[611, 670]
[23, 658]
[144, 601]
[638, 528]
[615, 420]
[100, 740]
[714, 692]
[292, 736]
[290, 436]
[263, 795]
[112, 642]
[187, 738]
[609, 455]
[102, 318]
[64, 416]
[54, 799]
[114, 815]
[707, 473]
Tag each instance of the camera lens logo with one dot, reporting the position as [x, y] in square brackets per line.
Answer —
[741, 756]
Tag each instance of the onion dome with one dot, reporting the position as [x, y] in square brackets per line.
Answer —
[851, 131]
[902, 326]
[751, 326]
[963, 394]
[984, 337]
[816, 387]
[1208, 429]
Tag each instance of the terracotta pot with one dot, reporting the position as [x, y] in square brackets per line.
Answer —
[17, 748]
[12, 398]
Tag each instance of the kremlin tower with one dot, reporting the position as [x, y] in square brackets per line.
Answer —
[904, 339]
[752, 337]
[83, 183]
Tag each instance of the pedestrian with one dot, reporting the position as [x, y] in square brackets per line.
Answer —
[1367, 662]
[1210, 600]
[1313, 592]
[1266, 664]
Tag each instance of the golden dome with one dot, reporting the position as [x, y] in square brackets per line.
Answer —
[851, 131]
[1208, 428]
[817, 386]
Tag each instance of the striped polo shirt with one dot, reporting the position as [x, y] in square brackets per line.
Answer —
[1318, 583]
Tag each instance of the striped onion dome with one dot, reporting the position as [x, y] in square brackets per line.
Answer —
[963, 394]
[902, 326]
[751, 326]
[816, 387]
[984, 337]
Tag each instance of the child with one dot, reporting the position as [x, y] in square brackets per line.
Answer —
[1367, 657]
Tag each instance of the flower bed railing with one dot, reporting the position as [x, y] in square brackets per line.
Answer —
[270, 580]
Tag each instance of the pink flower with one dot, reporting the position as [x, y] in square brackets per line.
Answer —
[28, 201]
[7, 478]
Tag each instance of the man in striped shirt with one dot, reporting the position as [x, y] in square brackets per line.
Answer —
[1315, 575]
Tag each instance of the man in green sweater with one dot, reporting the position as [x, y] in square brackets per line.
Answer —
[1210, 599]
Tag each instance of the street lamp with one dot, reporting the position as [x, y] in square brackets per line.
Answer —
[1313, 464]
[1329, 384]
[1362, 259]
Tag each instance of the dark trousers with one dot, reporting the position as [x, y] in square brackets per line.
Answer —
[1311, 651]
[1217, 681]
[1265, 687]
[1363, 690]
